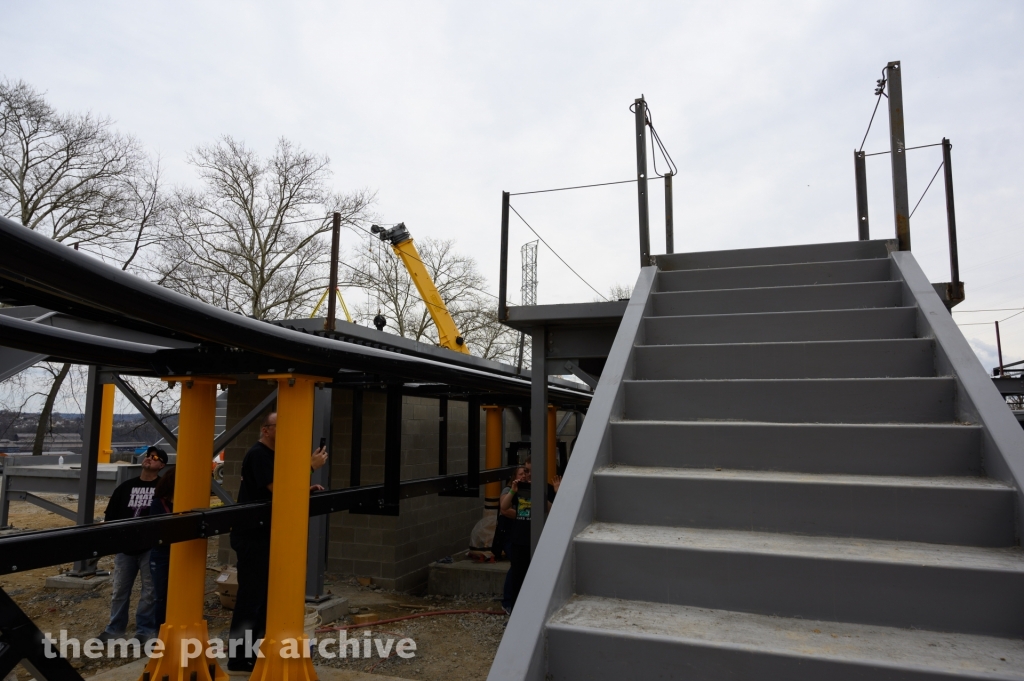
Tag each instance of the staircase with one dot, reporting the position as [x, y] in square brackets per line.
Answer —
[792, 482]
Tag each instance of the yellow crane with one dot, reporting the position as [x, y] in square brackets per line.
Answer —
[401, 243]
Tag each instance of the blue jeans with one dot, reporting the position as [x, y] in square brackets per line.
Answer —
[125, 569]
[159, 566]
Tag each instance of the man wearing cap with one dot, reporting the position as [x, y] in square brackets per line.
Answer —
[131, 499]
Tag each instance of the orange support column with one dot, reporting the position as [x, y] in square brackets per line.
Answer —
[285, 647]
[552, 444]
[107, 424]
[492, 455]
[186, 584]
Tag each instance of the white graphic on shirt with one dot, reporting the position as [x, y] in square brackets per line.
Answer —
[141, 497]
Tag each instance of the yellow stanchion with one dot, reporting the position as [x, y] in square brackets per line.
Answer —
[186, 581]
[107, 423]
[285, 648]
[492, 453]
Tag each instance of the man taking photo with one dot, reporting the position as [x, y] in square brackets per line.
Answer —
[253, 545]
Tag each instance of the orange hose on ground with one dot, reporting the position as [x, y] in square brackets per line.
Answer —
[409, 617]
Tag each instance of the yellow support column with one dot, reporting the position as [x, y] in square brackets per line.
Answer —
[186, 582]
[492, 455]
[107, 423]
[285, 647]
[552, 444]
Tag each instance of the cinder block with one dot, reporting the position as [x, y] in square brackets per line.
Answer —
[332, 610]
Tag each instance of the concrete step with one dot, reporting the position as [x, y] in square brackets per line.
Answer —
[899, 584]
[798, 274]
[820, 325]
[813, 359]
[779, 299]
[831, 400]
[968, 511]
[858, 449]
[778, 255]
[591, 638]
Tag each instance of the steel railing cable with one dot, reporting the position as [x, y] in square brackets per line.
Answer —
[579, 186]
[603, 297]
[1000, 321]
[378, 240]
[920, 146]
[673, 169]
[926, 190]
[880, 91]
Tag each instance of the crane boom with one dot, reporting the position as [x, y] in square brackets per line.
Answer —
[401, 243]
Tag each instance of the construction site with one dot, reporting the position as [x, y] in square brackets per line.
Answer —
[779, 462]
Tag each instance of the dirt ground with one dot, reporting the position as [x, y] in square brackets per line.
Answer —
[448, 647]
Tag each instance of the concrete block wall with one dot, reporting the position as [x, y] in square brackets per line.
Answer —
[394, 551]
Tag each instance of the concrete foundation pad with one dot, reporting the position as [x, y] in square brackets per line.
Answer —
[66, 581]
[331, 610]
[465, 577]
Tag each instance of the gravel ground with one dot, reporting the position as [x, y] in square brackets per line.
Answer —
[448, 647]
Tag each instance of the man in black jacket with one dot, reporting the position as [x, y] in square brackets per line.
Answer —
[131, 499]
[249, 619]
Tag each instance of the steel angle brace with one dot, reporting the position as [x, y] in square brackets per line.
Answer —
[13, 495]
[22, 641]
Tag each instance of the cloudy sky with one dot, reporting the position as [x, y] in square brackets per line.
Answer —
[439, 106]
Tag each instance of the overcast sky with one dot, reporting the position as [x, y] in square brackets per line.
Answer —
[439, 106]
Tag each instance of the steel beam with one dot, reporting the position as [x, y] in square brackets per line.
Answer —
[898, 155]
[640, 115]
[41, 503]
[356, 448]
[670, 240]
[145, 410]
[23, 642]
[538, 436]
[860, 174]
[316, 550]
[31, 550]
[332, 286]
[473, 447]
[954, 262]
[229, 435]
[90, 458]
[503, 265]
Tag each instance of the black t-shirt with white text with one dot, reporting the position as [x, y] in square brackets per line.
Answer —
[130, 499]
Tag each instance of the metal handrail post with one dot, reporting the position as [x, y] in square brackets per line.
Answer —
[947, 171]
[503, 266]
[670, 240]
[861, 175]
[640, 112]
[898, 156]
[332, 286]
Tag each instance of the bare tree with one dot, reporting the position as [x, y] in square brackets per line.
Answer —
[460, 284]
[75, 179]
[63, 174]
[250, 238]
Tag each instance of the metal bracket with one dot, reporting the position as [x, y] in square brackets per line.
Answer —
[574, 369]
[23, 642]
[951, 294]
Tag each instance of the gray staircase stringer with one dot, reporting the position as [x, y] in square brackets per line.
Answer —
[549, 582]
[978, 400]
